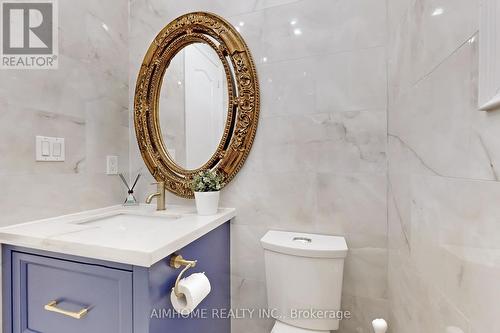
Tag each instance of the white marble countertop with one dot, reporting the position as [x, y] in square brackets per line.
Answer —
[131, 235]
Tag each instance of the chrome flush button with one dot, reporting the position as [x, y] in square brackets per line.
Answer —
[303, 240]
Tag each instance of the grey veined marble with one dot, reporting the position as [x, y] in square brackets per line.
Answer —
[443, 216]
[85, 101]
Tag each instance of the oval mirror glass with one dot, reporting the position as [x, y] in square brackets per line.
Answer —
[193, 105]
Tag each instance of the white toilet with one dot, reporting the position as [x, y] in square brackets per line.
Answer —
[304, 278]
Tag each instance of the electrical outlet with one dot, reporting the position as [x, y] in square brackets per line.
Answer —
[112, 165]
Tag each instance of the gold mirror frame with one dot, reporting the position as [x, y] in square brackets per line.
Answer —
[243, 104]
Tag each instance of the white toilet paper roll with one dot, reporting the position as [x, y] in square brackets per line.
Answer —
[193, 289]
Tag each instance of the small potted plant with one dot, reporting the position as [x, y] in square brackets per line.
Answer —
[206, 186]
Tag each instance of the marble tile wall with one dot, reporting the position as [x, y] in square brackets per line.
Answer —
[85, 101]
[443, 173]
[319, 160]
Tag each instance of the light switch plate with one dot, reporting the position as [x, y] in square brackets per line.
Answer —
[112, 165]
[49, 149]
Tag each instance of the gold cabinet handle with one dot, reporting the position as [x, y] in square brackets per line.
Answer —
[52, 307]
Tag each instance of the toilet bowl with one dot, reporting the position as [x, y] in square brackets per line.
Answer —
[304, 276]
[280, 327]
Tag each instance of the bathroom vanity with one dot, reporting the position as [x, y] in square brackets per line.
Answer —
[107, 271]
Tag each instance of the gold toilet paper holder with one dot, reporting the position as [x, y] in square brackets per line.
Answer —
[177, 261]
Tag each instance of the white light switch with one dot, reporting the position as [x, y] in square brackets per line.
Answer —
[56, 149]
[49, 149]
[45, 148]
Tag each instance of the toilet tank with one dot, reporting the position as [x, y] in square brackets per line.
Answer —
[304, 278]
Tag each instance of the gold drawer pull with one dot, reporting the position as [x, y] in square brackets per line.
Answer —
[52, 307]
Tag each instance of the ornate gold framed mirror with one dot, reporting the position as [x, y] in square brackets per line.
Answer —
[196, 101]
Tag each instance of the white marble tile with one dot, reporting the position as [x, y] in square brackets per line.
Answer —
[346, 81]
[396, 10]
[275, 199]
[92, 62]
[324, 203]
[444, 107]
[443, 244]
[442, 241]
[247, 254]
[304, 28]
[261, 4]
[365, 273]
[343, 142]
[85, 101]
[61, 91]
[55, 194]
[455, 243]
[363, 311]
[249, 294]
[398, 214]
[418, 306]
[353, 205]
[17, 146]
[431, 32]
[105, 44]
[114, 134]
[169, 10]
[484, 134]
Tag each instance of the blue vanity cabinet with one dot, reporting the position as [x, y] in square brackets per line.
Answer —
[120, 298]
[38, 280]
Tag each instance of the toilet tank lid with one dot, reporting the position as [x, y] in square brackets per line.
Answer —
[305, 245]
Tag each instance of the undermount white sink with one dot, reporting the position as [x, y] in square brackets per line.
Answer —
[124, 222]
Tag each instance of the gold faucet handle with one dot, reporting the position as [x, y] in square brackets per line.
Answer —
[159, 195]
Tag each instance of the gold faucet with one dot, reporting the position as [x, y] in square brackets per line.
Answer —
[159, 195]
